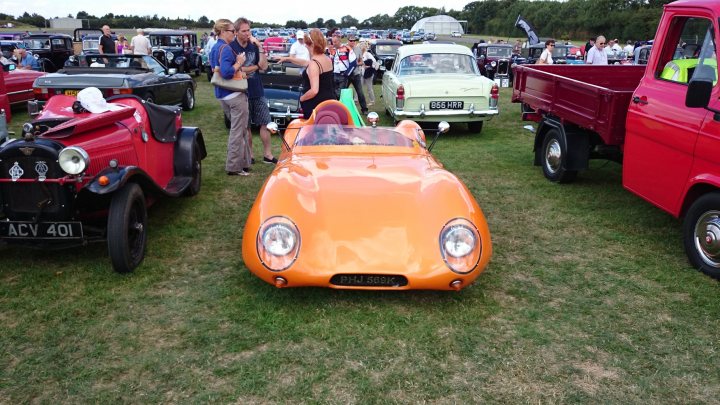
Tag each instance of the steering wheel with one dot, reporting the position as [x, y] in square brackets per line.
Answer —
[324, 141]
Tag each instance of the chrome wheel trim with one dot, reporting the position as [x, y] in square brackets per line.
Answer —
[707, 238]
[553, 156]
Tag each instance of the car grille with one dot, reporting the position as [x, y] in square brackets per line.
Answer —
[34, 200]
[503, 67]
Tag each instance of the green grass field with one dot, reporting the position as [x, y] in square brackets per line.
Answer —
[587, 299]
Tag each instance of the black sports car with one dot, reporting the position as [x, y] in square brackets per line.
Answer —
[141, 75]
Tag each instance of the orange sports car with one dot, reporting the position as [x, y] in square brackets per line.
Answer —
[363, 208]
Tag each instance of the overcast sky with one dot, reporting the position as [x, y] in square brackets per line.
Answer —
[270, 11]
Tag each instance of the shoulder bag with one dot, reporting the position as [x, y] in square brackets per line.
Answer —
[237, 83]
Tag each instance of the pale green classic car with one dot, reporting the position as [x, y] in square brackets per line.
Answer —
[439, 82]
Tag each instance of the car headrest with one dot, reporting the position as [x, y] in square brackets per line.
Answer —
[331, 113]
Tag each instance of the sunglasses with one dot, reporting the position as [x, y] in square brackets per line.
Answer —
[601, 43]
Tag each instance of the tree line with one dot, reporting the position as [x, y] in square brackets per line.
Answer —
[627, 19]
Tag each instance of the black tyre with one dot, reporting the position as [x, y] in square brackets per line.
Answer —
[127, 228]
[196, 182]
[701, 234]
[553, 158]
[188, 101]
[475, 126]
[46, 65]
[198, 66]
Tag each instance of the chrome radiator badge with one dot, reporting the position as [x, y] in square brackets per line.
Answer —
[41, 168]
[16, 172]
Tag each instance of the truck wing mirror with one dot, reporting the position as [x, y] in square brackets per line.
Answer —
[700, 87]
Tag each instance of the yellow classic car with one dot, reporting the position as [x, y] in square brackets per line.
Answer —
[354, 207]
[439, 82]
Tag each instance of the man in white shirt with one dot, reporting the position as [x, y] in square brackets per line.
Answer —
[596, 55]
[140, 44]
[210, 43]
[298, 48]
[629, 48]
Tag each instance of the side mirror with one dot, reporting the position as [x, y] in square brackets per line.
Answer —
[275, 129]
[443, 127]
[700, 87]
[373, 118]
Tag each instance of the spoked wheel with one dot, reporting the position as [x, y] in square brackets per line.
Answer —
[701, 234]
[554, 158]
[127, 228]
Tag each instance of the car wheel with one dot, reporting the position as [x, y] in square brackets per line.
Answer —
[127, 228]
[195, 184]
[198, 67]
[701, 234]
[475, 127]
[554, 158]
[188, 102]
[46, 65]
[149, 98]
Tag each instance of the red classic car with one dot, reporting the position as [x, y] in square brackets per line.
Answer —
[19, 82]
[4, 105]
[78, 176]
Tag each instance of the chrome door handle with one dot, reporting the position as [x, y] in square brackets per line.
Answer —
[638, 100]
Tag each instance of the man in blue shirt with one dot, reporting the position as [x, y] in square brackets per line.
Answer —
[26, 60]
[255, 60]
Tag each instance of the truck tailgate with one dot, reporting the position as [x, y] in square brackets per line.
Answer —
[591, 97]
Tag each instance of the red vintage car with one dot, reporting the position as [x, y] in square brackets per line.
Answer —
[77, 176]
[19, 83]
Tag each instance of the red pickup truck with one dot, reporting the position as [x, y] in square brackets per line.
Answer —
[661, 121]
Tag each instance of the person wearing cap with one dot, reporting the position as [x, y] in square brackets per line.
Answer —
[344, 63]
[298, 48]
[140, 44]
[107, 44]
[356, 77]
[255, 62]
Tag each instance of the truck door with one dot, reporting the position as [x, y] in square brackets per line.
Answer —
[661, 133]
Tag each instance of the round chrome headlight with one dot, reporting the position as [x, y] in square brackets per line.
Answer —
[73, 160]
[169, 56]
[278, 243]
[460, 245]
[493, 63]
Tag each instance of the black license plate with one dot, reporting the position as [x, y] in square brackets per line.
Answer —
[369, 280]
[279, 120]
[446, 105]
[41, 230]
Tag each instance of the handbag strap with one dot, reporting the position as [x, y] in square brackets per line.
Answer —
[221, 50]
